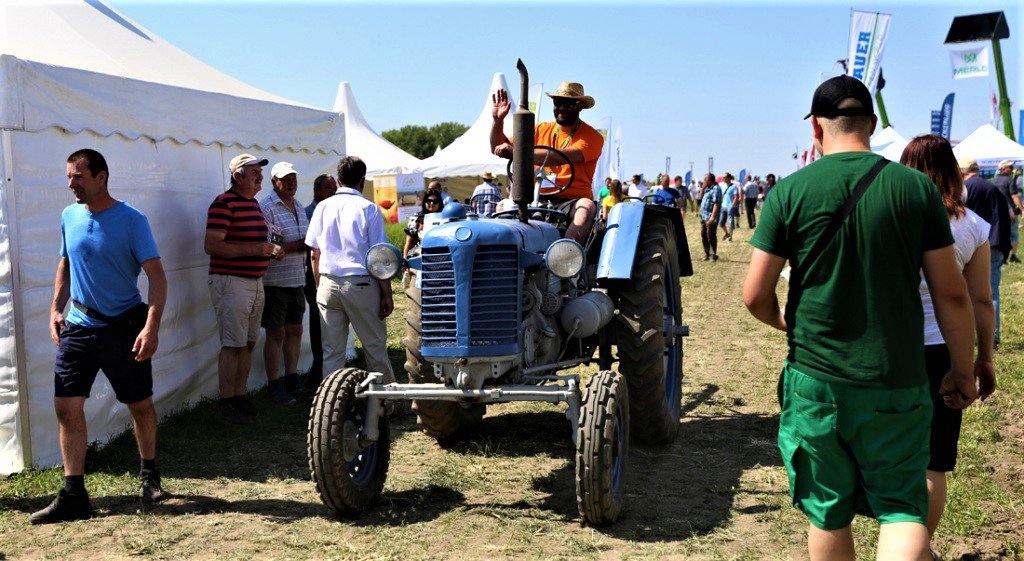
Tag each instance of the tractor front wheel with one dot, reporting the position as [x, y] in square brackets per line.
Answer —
[349, 474]
[602, 441]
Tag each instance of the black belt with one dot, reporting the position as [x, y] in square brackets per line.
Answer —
[91, 312]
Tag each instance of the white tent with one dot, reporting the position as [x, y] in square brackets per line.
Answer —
[989, 147]
[380, 155]
[888, 143]
[79, 74]
[470, 154]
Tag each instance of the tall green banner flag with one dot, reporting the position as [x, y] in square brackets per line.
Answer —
[868, 32]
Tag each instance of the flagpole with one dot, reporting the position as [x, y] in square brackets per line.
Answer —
[882, 114]
[1004, 102]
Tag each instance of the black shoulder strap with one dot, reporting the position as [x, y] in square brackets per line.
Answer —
[838, 218]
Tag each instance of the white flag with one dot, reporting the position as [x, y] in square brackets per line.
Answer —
[604, 126]
[615, 164]
[868, 32]
[969, 63]
[536, 95]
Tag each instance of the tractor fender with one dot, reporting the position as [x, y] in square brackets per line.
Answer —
[622, 237]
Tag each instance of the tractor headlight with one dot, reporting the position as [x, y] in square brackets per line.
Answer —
[564, 258]
[383, 261]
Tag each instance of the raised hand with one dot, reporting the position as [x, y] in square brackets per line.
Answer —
[501, 105]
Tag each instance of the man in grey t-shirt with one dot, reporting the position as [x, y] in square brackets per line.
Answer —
[1009, 185]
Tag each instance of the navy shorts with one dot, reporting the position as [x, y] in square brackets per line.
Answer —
[84, 351]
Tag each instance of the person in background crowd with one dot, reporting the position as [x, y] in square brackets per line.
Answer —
[695, 192]
[236, 241]
[604, 190]
[933, 156]
[637, 188]
[769, 184]
[445, 197]
[341, 232]
[323, 186]
[105, 243]
[751, 192]
[684, 194]
[431, 204]
[580, 142]
[710, 210]
[486, 195]
[854, 427]
[984, 199]
[283, 285]
[614, 197]
[1009, 186]
[730, 195]
[665, 194]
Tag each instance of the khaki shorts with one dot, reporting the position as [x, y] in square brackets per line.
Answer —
[238, 304]
[851, 450]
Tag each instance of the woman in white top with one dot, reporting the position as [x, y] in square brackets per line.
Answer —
[932, 155]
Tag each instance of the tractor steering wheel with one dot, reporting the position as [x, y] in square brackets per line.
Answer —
[539, 172]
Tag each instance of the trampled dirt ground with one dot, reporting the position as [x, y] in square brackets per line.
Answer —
[718, 492]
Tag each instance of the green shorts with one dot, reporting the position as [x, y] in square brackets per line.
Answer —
[851, 450]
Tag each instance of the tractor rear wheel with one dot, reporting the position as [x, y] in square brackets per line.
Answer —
[602, 443]
[649, 350]
[349, 477]
[442, 420]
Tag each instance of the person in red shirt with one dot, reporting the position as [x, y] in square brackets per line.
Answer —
[580, 142]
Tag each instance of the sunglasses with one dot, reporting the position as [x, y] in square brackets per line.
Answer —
[431, 202]
[563, 103]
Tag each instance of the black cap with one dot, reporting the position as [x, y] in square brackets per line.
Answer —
[833, 91]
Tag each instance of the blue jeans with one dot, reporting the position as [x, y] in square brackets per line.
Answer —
[997, 274]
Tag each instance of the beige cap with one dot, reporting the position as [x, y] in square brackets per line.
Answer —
[240, 160]
[282, 169]
[573, 90]
[968, 164]
[1005, 164]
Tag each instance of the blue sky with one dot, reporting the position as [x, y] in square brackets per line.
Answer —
[684, 80]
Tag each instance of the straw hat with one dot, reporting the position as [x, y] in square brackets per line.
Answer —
[573, 90]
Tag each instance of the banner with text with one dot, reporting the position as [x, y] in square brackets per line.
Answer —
[969, 63]
[936, 122]
[947, 116]
[868, 32]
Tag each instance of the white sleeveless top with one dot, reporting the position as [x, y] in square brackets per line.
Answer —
[970, 232]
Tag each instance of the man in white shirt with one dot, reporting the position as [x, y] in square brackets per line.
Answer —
[342, 230]
[637, 188]
[486, 195]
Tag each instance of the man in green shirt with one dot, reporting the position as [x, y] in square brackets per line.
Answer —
[855, 418]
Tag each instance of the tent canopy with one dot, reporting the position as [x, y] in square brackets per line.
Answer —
[380, 155]
[470, 154]
[989, 147]
[888, 143]
[103, 63]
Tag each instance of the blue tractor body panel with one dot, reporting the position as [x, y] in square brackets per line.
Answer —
[622, 236]
[471, 284]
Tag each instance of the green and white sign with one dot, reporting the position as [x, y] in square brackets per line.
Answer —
[969, 63]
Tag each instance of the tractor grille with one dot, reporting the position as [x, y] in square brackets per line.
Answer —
[494, 307]
[493, 302]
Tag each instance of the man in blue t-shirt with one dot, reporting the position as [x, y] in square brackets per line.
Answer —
[730, 195]
[105, 243]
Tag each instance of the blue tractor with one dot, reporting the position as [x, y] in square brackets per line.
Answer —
[498, 307]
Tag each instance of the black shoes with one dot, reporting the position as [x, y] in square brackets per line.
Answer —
[231, 414]
[152, 491]
[1014, 258]
[64, 508]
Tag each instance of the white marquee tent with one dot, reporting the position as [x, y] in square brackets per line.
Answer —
[79, 74]
[989, 147]
[380, 155]
[888, 143]
[470, 154]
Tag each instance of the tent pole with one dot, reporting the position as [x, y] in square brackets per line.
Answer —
[1004, 102]
[25, 429]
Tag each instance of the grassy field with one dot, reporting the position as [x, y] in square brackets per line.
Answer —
[718, 492]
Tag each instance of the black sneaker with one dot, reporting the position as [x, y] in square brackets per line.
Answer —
[244, 406]
[152, 491]
[230, 414]
[64, 508]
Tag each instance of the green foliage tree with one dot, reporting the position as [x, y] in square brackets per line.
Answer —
[421, 141]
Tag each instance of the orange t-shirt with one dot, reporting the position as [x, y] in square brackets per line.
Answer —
[587, 140]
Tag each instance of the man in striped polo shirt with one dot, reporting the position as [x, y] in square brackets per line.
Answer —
[236, 240]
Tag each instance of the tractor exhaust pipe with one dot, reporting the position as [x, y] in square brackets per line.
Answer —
[522, 146]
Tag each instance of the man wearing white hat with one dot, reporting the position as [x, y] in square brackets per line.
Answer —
[580, 142]
[283, 284]
[236, 241]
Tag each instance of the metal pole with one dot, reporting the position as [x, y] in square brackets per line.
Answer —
[881, 109]
[1004, 103]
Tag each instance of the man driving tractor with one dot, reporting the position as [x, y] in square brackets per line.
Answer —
[580, 143]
